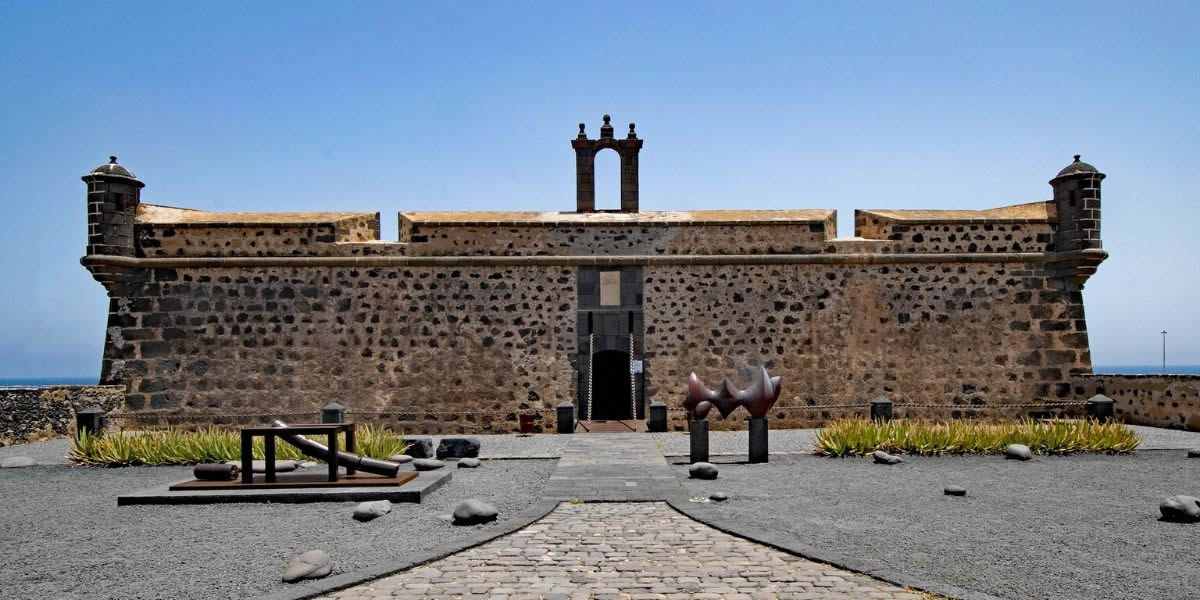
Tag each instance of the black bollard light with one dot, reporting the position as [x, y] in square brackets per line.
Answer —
[566, 417]
[881, 409]
[1100, 407]
[90, 419]
[333, 413]
[658, 417]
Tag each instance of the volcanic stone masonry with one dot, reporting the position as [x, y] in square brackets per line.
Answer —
[472, 319]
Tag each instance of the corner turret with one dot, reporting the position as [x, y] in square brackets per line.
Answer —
[1077, 198]
[113, 195]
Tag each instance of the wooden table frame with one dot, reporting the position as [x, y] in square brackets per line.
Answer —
[270, 433]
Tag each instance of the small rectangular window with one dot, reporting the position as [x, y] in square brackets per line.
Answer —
[610, 288]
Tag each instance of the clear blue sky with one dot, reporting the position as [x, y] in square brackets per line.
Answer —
[464, 106]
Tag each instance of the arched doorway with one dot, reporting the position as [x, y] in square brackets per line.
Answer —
[610, 386]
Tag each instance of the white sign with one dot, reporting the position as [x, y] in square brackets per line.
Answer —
[635, 366]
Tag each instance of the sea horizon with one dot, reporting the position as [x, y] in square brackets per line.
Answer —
[10, 382]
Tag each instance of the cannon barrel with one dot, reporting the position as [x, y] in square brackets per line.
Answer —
[320, 451]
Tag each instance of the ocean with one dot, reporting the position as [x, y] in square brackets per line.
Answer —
[1099, 369]
[1146, 369]
[40, 381]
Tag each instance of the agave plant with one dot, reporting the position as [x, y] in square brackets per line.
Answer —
[857, 437]
[177, 447]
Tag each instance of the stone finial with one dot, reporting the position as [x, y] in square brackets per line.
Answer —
[632, 134]
[1077, 166]
[606, 130]
[582, 135]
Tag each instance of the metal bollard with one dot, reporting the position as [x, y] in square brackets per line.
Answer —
[881, 409]
[566, 417]
[758, 440]
[658, 417]
[91, 419]
[698, 432]
[333, 413]
[1100, 407]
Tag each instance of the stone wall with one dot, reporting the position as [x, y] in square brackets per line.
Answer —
[37, 412]
[456, 349]
[643, 238]
[260, 235]
[1156, 400]
[1020, 228]
[975, 339]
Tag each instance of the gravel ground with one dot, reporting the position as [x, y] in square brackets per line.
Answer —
[538, 445]
[49, 452]
[65, 537]
[799, 441]
[1161, 438]
[1083, 526]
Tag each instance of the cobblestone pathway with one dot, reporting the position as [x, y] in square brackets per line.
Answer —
[622, 550]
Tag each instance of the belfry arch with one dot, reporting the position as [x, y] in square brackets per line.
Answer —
[585, 166]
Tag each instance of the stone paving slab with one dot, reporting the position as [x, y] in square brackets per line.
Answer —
[612, 467]
[623, 550]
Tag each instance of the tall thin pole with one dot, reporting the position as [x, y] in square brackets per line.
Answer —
[1164, 334]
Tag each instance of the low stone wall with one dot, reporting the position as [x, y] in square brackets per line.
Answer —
[34, 412]
[1156, 400]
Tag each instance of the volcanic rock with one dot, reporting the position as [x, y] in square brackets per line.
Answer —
[474, 512]
[702, 470]
[1018, 452]
[366, 511]
[313, 564]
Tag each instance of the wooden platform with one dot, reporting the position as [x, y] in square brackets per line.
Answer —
[610, 426]
[284, 481]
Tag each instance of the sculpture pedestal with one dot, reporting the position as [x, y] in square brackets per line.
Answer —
[758, 439]
[698, 428]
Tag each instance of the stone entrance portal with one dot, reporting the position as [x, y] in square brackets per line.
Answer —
[610, 363]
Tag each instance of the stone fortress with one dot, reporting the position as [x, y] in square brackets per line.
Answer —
[472, 319]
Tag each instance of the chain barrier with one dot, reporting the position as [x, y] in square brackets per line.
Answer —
[313, 413]
[536, 411]
[632, 383]
[1049, 404]
[591, 352]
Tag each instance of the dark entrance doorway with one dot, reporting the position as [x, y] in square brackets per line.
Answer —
[610, 386]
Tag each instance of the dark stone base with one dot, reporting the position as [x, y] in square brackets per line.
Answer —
[699, 440]
[413, 491]
[758, 439]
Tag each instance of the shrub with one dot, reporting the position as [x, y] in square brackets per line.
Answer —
[209, 445]
[857, 437]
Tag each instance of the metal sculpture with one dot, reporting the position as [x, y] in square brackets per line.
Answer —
[757, 399]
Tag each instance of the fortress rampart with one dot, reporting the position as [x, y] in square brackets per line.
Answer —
[471, 319]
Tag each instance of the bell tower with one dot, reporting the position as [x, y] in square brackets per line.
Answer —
[585, 166]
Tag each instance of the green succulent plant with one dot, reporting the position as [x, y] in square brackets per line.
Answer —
[212, 444]
[858, 437]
